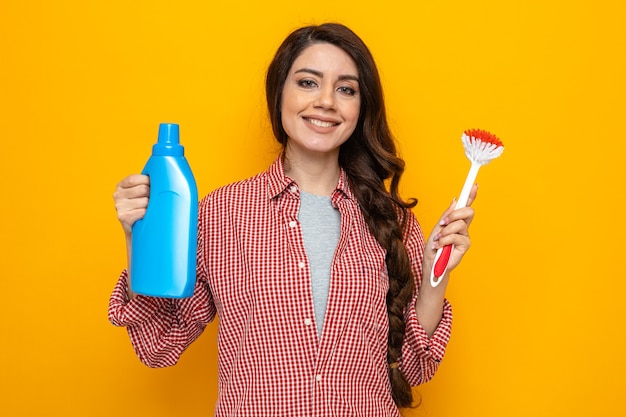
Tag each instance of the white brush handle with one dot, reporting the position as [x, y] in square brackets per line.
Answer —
[440, 264]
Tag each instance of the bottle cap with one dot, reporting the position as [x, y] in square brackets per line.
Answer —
[168, 142]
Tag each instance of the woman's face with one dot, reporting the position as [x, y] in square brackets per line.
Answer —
[320, 101]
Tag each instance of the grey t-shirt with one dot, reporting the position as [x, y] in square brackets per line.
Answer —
[321, 224]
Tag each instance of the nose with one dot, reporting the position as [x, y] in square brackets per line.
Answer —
[326, 98]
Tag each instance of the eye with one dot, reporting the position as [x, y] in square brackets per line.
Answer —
[307, 83]
[349, 91]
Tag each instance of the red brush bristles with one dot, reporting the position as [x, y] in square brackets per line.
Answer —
[483, 136]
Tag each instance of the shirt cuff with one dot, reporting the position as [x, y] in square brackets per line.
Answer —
[125, 311]
[417, 339]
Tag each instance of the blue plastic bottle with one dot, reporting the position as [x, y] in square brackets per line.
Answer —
[164, 242]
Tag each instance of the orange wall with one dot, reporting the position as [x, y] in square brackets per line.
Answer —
[538, 302]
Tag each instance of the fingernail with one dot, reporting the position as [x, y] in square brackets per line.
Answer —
[443, 221]
[437, 236]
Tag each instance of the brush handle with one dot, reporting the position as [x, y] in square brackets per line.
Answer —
[442, 257]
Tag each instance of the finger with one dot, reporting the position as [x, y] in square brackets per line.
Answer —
[130, 204]
[138, 191]
[441, 224]
[132, 215]
[460, 242]
[458, 227]
[133, 186]
[466, 214]
[134, 180]
[123, 194]
[128, 217]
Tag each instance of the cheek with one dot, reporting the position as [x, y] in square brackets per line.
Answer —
[285, 110]
[354, 112]
[357, 113]
[290, 99]
[287, 116]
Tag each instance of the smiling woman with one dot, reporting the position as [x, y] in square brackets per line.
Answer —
[320, 227]
[320, 110]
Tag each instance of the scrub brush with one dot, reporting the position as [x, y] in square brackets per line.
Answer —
[480, 148]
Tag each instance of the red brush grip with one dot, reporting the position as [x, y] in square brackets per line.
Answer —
[442, 262]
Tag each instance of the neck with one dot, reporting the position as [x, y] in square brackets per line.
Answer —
[315, 175]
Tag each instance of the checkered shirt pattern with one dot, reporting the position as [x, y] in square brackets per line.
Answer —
[253, 273]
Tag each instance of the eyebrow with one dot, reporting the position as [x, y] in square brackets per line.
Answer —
[321, 74]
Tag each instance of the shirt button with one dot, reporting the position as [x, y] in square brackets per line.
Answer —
[293, 189]
[301, 264]
[308, 322]
[293, 224]
[318, 377]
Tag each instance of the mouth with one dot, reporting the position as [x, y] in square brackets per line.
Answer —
[320, 123]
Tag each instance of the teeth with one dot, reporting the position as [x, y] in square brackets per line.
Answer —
[320, 123]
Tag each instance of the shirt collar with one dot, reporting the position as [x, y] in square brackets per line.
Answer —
[279, 182]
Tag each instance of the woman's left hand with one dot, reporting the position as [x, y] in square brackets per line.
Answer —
[452, 229]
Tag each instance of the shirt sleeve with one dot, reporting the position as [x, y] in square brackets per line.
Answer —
[421, 355]
[160, 329]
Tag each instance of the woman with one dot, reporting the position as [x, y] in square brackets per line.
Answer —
[314, 266]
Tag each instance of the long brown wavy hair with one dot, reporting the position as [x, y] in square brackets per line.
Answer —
[370, 161]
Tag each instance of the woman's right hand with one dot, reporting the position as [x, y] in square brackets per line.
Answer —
[131, 200]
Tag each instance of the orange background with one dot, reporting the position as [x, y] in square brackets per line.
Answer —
[538, 301]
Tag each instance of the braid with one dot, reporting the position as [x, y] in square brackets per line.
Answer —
[385, 215]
